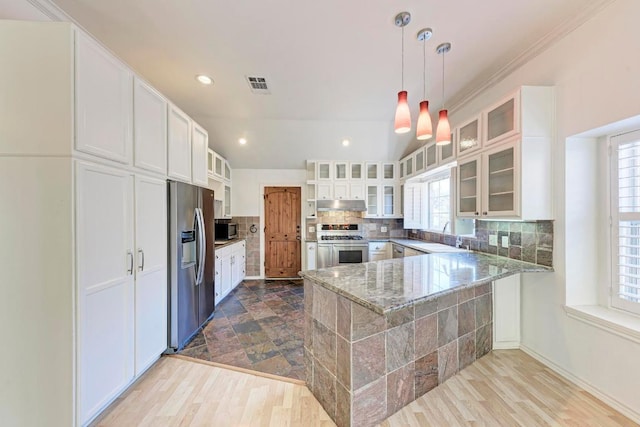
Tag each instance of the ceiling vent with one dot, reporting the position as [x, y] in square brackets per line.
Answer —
[258, 85]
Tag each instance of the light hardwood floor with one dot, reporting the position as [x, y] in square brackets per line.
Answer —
[504, 388]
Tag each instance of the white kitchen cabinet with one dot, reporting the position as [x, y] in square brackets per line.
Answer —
[179, 145]
[382, 201]
[412, 252]
[356, 191]
[199, 148]
[149, 128]
[211, 155]
[430, 156]
[373, 171]
[419, 161]
[238, 263]
[324, 171]
[325, 190]
[511, 177]
[227, 170]
[311, 251]
[506, 313]
[469, 137]
[311, 170]
[407, 166]
[218, 166]
[389, 171]
[103, 106]
[502, 120]
[447, 153]
[356, 170]
[341, 191]
[105, 274]
[230, 266]
[226, 203]
[151, 271]
[340, 171]
[379, 251]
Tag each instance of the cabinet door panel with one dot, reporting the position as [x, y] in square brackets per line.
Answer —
[103, 102]
[105, 264]
[151, 272]
[179, 145]
[469, 188]
[149, 128]
[199, 141]
[356, 191]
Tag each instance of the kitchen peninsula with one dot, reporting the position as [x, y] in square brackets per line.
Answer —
[379, 335]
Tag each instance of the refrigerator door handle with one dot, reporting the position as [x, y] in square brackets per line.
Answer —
[202, 246]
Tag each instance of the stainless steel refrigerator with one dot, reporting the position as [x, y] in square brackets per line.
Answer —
[191, 261]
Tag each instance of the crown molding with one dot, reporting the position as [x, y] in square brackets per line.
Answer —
[51, 10]
[479, 85]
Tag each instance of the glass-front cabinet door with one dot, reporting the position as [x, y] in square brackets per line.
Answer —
[340, 171]
[419, 161]
[389, 200]
[372, 200]
[324, 171]
[388, 171]
[469, 187]
[356, 171]
[373, 172]
[446, 153]
[431, 155]
[500, 195]
[468, 139]
[503, 119]
[227, 171]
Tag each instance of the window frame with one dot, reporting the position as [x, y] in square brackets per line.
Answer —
[615, 216]
[427, 203]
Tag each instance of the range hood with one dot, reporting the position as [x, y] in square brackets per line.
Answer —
[341, 205]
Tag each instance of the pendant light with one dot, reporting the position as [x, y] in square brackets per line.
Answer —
[402, 123]
[443, 133]
[424, 130]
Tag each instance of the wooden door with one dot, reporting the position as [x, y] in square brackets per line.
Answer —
[282, 231]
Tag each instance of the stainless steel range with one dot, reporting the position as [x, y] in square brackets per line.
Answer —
[341, 244]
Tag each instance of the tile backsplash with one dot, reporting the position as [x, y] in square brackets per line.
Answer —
[372, 227]
[252, 260]
[530, 241]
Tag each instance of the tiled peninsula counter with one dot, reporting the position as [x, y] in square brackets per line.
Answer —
[381, 334]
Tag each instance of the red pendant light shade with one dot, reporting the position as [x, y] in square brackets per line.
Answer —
[425, 129]
[443, 133]
[403, 115]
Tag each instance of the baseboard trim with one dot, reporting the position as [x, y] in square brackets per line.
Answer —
[615, 404]
[506, 345]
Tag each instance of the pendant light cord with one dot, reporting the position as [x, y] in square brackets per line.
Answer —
[424, 66]
[402, 85]
[443, 54]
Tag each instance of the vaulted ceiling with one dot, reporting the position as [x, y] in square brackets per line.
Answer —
[333, 67]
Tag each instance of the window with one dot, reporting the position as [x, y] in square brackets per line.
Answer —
[625, 221]
[439, 208]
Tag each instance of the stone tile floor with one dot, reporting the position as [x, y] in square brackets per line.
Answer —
[258, 326]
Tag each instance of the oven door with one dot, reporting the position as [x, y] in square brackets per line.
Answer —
[350, 253]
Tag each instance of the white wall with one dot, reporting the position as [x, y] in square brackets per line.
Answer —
[247, 184]
[595, 70]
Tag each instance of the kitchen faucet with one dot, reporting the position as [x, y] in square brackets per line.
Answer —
[445, 226]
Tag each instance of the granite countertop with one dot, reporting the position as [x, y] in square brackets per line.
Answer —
[222, 243]
[388, 285]
[427, 247]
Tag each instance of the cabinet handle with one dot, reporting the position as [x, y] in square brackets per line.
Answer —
[141, 267]
[130, 269]
[477, 213]
[484, 213]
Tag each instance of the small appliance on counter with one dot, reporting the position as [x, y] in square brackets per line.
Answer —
[226, 231]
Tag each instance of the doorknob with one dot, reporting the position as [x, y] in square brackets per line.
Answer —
[297, 237]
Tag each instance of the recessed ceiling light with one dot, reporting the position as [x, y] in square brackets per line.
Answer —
[205, 80]
[242, 141]
[346, 142]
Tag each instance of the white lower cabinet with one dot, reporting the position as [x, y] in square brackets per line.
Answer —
[311, 249]
[506, 313]
[379, 251]
[121, 288]
[230, 269]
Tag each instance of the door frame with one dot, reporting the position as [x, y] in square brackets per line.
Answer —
[303, 234]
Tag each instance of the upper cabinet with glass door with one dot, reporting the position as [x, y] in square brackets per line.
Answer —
[356, 171]
[340, 171]
[502, 120]
[431, 156]
[324, 171]
[469, 137]
[373, 171]
[447, 153]
[389, 171]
